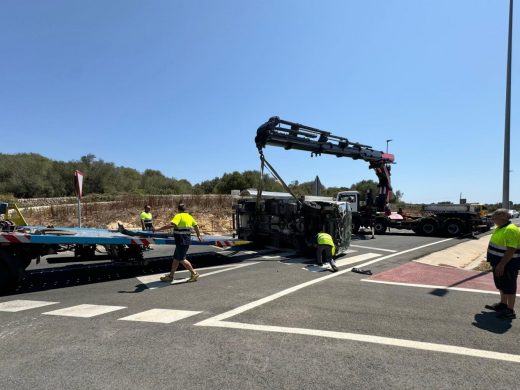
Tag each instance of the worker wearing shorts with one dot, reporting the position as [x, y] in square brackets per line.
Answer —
[503, 254]
[182, 224]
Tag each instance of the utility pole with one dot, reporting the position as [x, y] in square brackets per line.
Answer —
[507, 129]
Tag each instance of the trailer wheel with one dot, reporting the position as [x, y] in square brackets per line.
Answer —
[11, 272]
[428, 227]
[453, 227]
[380, 226]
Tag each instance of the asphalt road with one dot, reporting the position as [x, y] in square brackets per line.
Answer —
[263, 321]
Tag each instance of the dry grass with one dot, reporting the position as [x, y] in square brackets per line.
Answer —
[213, 212]
[483, 267]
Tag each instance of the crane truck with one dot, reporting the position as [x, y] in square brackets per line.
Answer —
[286, 220]
[438, 219]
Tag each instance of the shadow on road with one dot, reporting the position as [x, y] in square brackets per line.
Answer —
[440, 292]
[76, 275]
[489, 321]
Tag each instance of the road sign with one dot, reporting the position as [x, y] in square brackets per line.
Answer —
[78, 183]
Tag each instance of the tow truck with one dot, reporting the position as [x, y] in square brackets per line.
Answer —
[286, 220]
[21, 244]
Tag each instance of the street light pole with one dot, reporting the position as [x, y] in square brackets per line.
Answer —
[507, 127]
[387, 141]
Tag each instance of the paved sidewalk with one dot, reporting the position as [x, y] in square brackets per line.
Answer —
[467, 255]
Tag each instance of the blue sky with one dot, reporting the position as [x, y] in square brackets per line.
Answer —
[181, 86]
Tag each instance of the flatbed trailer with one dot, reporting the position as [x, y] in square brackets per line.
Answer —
[22, 244]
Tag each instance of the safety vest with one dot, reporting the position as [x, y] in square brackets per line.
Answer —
[184, 223]
[145, 216]
[505, 236]
[326, 239]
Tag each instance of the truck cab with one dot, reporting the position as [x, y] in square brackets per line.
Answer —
[351, 197]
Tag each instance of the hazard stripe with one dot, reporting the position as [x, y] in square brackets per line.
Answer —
[141, 241]
[15, 238]
[222, 244]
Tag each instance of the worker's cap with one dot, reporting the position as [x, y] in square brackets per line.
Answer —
[181, 207]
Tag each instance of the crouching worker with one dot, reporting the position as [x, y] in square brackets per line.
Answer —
[182, 224]
[326, 249]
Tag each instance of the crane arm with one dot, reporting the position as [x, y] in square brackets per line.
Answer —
[291, 135]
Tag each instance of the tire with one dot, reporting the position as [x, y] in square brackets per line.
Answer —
[380, 226]
[11, 271]
[428, 227]
[453, 227]
[355, 226]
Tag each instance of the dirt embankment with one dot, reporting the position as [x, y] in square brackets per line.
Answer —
[213, 213]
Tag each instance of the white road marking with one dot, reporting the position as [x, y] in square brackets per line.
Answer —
[278, 256]
[84, 311]
[153, 281]
[218, 321]
[375, 249]
[365, 338]
[162, 316]
[341, 262]
[290, 290]
[355, 259]
[433, 286]
[21, 304]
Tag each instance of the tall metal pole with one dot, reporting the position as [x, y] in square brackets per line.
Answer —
[507, 130]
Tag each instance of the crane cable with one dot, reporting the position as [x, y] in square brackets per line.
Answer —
[264, 163]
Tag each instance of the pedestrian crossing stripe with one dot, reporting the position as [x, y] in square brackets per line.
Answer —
[22, 304]
[163, 316]
[84, 311]
[342, 262]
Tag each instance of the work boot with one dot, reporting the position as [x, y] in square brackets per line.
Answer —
[333, 265]
[496, 306]
[507, 314]
[168, 278]
[193, 277]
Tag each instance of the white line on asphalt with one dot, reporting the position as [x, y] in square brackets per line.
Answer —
[356, 259]
[431, 286]
[153, 281]
[163, 316]
[290, 290]
[341, 262]
[365, 338]
[21, 304]
[84, 311]
[218, 321]
[376, 249]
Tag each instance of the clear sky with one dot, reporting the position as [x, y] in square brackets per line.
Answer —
[181, 86]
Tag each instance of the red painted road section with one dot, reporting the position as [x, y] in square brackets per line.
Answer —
[418, 273]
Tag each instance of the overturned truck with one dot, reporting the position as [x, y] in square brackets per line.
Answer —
[278, 219]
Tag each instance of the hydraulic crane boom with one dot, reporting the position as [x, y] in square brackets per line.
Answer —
[291, 135]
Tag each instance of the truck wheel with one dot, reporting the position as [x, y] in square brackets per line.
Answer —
[428, 227]
[355, 227]
[11, 272]
[453, 227]
[380, 227]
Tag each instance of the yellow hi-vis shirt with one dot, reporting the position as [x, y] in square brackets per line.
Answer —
[505, 236]
[145, 216]
[184, 221]
[326, 239]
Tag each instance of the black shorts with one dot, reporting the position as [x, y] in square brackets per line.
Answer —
[507, 282]
[180, 252]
